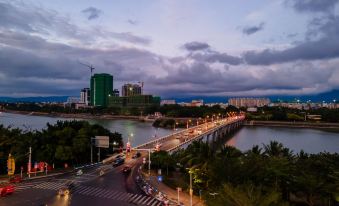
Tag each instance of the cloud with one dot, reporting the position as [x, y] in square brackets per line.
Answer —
[195, 46]
[132, 22]
[249, 30]
[32, 62]
[312, 5]
[213, 56]
[326, 47]
[92, 13]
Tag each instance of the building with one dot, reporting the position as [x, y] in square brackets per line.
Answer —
[197, 103]
[115, 93]
[131, 90]
[101, 88]
[85, 96]
[249, 102]
[139, 101]
[167, 102]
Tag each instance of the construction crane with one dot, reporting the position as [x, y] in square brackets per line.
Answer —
[89, 66]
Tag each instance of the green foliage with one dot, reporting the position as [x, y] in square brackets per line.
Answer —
[289, 114]
[271, 175]
[67, 141]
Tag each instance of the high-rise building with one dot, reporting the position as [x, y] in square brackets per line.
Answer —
[85, 96]
[101, 88]
[131, 90]
[249, 102]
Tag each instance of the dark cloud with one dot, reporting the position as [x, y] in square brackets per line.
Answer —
[249, 30]
[92, 13]
[312, 5]
[326, 47]
[195, 46]
[132, 22]
[213, 56]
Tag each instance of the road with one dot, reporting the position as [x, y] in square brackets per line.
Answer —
[112, 188]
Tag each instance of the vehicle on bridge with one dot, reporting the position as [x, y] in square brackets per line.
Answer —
[118, 162]
[126, 170]
[6, 189]
[136, 155]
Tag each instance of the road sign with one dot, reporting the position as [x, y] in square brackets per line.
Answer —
[10, 165]
[144, 160]
[102, 141]
[179, 189]
[159, 171]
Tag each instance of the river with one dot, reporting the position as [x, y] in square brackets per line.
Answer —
[309, 140]
[142, 131]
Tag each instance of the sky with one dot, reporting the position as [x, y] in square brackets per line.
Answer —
[178, 48]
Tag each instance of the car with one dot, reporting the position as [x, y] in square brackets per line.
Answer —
[79, 172]
[126, 169]
[136, 155]
[66, 189]
[15, 179]
[6, 190]
[118, 162]
[120, 156]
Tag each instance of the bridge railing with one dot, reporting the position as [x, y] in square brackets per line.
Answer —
[166, 137]
[201, 135]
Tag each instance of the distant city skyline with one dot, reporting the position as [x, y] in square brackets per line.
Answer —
[178, 48]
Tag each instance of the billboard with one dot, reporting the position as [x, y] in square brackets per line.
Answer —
[102, 141]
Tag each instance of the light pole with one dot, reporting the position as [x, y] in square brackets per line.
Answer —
[29, 162]
[187, 123]
[191, 189]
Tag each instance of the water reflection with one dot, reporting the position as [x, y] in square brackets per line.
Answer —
[309, 140]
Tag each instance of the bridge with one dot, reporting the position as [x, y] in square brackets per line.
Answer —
[207, 132]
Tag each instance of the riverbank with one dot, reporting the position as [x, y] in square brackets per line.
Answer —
[78, 116]
[312, 125]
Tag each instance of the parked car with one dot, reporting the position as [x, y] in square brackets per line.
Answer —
[136, 155]
[126, 170]
[15, 179]
[118, 162]
[6, 189]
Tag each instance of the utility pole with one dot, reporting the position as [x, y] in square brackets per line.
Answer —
[191, 190]
[149, 163]
[91, 150]
[29, 162]
[99, 154]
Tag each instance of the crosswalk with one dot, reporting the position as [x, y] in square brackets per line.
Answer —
[25, 186]
[103, 193]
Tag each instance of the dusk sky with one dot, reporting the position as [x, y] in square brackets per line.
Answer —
[177, 47]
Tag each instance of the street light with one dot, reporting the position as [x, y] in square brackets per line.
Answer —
[191, 189]
[187, 122]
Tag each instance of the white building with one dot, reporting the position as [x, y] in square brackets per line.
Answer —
[85, 97]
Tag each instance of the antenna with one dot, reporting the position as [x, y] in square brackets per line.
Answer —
[89, 66]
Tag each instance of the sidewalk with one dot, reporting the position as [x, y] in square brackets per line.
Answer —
[173, 194]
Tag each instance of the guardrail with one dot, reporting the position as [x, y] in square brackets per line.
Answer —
[165, 137]
[201, 135]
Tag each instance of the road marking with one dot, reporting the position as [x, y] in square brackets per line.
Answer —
[148, 199]
[112, 194]
[139, 196]
[84, 190]
[142, 199]
[106, 194]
